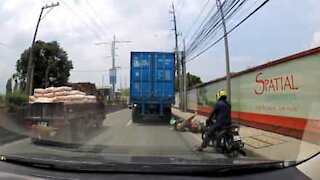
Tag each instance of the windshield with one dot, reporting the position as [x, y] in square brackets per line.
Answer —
[175, 82]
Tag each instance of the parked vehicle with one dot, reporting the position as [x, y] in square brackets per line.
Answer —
[152, 85]
[227, 141]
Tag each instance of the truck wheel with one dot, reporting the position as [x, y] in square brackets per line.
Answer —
[76, 130]
[35, 140]
[168, 115]
[135, 116]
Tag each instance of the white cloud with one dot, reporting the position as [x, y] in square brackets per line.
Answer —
[82, 23]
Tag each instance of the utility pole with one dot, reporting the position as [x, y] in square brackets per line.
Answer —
[125, 81]
[30, 71]
[113, 70]
[178, 65]
[102, 81]
[184, 77]
[226, 46]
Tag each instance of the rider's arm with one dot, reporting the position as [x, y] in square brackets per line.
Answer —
[214, 109]
[211, 114]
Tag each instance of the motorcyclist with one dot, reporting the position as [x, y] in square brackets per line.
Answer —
[220, 117]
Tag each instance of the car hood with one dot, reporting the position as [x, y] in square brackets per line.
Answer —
[142, 164]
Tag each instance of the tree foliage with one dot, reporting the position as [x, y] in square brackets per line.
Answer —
[125, 92]
[52, 54]
[9, 86]
[192, 80]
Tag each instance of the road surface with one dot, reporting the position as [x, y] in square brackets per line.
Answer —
[119, 136]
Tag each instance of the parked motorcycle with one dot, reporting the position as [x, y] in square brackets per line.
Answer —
[227, 141]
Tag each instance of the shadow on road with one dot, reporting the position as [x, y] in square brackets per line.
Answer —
[151, 123]
[11, 128]
[76, 143]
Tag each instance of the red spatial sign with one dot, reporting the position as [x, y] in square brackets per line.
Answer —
[275, 84]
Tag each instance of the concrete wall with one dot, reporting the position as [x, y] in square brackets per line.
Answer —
[281, 96]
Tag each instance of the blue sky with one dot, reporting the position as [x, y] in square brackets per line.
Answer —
[279, 29]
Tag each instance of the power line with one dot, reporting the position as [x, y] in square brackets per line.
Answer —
[85, 71]
[88, 27]
[202, 24]
[196, 20]
[213, 26]
[94, 21]
[98, 17]
[264, 3]
[9, 47]
[180, 8]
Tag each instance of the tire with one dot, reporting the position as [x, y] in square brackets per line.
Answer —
[135, 116]
[35, 140]
[233, 154]
[231, 148]
[203, 135]
[76, 130]
[203, 131]
[167, 115]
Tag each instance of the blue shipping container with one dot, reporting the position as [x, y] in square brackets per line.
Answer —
[152, 78]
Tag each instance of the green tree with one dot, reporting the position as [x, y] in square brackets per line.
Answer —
[192, 80]
[9, 86]
[46, 54]
[125, 92]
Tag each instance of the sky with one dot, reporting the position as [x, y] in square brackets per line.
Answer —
[279, 29]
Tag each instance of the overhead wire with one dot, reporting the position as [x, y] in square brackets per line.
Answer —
[210, 28]
[9, 47]
[86, 25]
[214, 43]
[47, 13]
[196, 20]
[180, 8]
[211, 23]
[202, 23]
[98, 17]
[202, 41]
[95, 23]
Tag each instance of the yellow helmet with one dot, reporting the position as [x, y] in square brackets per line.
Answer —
[221, 93]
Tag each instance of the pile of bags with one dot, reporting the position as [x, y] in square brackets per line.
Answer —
[63, 94]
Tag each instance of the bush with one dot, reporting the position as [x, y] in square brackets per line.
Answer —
[2, 98]
[16, 99]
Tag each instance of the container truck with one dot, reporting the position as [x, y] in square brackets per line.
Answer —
[152, 85]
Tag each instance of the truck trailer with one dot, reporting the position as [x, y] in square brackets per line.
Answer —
[152, 85]
[64, 117]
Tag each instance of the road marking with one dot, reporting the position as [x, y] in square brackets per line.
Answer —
[129, 123]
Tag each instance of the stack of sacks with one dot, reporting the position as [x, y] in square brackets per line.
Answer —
[42, 96]
[77, 96]
[91, 99]
[32, 99]
[60, 94]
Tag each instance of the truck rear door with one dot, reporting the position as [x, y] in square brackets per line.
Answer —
[141, 74]
[163, 77]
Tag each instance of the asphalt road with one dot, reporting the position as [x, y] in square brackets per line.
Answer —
[120, 137]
